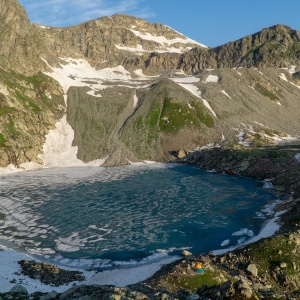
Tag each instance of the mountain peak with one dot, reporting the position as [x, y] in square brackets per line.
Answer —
[13, 15]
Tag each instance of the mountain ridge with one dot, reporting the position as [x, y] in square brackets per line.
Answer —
[151, 91]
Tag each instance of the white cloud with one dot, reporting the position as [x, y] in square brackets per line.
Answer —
[66, 12]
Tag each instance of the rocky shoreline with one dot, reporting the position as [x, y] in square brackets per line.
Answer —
[278, 166]
[267, 269]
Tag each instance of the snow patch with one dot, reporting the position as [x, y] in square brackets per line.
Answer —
[238, 71]
[139, 72]
[58, 150]
[225, 94]
[297, 157]
[78, 72]
[188, 79]
[298, 86]
[164, 41]
[10, 269]
[211, 78]
[260, 72]
[9, 169]
[283, 77]
[135, 100]
[292, 69]
[93, 93]
[283, 139]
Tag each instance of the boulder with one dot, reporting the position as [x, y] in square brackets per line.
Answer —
[49, 296]
[252, 269]
[186, 253]
[244, 288]
[283, 265]
[193, 297]
[181, 153]
[18, 289]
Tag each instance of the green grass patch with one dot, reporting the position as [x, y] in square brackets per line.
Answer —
[204, 117]
[6, 109]
[154, 117]
[39, 84]
[269, 253]
[11, 128]
[153, 124]
[265, 92]
[192, 282]
[272, 132]
[139, 123]
[195, 282]
[177, 115]
[28, 102]
[2, 140]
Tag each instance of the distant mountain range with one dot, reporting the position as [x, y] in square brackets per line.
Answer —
[119, 89]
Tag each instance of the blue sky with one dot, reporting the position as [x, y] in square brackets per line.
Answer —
[209, 22]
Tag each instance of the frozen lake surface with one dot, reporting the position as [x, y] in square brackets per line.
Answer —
[94, 217]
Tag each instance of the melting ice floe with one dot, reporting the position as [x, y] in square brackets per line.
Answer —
[243, 231]
[268, 184]
[225, 243]
[268, 230]
[267, 211]
[119, 277]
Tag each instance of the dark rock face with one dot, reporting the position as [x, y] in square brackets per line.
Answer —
[280, 165]
[49, 274]
[277, 46]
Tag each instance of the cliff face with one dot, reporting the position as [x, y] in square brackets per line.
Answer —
[30, 102]
[116, 40]
[137, 90]
[20, 44]
[277, 46]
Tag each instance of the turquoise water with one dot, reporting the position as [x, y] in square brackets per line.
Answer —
[98, 217]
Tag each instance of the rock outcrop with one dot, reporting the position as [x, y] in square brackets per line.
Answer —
[21, 45]
[29, 108]
[116, 40]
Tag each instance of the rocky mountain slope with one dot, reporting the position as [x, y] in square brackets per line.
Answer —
[138, 91]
